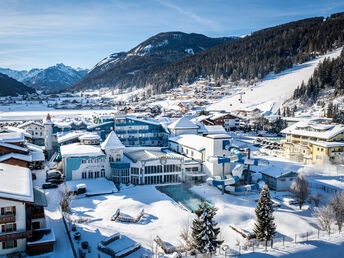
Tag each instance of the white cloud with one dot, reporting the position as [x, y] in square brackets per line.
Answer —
[201, 20]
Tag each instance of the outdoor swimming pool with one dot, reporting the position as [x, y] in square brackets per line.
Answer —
[181, 194]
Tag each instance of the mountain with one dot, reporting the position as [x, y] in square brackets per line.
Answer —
[157, 51]
[250, 58]
[51, 79]
[11, 87]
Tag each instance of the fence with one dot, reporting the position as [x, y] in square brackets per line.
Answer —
[284, 241]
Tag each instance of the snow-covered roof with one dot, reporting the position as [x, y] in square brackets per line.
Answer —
[28, 123]
[12, 137]
[219, 136]
[27, 158]
[182, 123]
[193, 141]
[16, 183]
[112, 142]
[89, 136]
[11, 129]
[13, 146]
[219, 115]
[149, 154]
[276, 172]
[316, 130]
[63, 137]
[215, 129]
[328, 144]
[79, 150]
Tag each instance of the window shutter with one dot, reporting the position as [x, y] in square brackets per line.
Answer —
[15, 243]
[14, 226]
[14, 209]
[3, 228]
[2, 211]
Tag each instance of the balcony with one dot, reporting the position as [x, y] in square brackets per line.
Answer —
[7, 236]
[39, 215]
[7, 218]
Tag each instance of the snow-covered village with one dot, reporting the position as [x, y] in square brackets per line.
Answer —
[183, 145]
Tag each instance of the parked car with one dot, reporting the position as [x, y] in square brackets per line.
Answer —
[49, 185]
[53, 174]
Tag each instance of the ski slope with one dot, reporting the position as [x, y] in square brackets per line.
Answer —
[269, 94]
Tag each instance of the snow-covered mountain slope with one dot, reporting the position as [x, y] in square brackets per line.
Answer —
[20, 75]
[269, 94]
[51, 79]
[157, 51]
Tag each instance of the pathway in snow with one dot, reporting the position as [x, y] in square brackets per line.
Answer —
[270, 94]
[53, 216]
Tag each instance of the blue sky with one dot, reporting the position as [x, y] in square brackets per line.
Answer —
[41, 33]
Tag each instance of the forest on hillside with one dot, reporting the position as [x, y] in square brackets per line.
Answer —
[252, 57]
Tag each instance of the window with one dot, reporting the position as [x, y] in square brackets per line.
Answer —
[118, 157]
[83, 161]
[90, 174]
[102, 173]
[8, 210]
[9, 244]
[97, 174]
[110, 159]
[10, 227]
[83, 175]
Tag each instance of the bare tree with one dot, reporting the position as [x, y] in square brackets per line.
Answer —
[186, 237]
[325, 217]
[337, 206]
[300, 189]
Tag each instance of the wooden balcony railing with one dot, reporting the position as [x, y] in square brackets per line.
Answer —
[7, 236]
[7, 218]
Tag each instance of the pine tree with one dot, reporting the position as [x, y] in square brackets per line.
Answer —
[204, 231]
[265, 227]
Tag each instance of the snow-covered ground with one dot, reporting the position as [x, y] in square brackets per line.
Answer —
[273, 91]
[37, 112]
[53, 216]
[162, 217]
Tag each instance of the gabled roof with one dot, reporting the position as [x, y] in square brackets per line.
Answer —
[30, 123]
[18, 156]
[183, 123]
[112, 142]
[13, 146]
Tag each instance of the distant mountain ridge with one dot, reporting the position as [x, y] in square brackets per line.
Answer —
[250, 58]
[51, 79]
[11, 87]
[157, 51]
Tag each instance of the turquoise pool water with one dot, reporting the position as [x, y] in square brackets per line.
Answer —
[180, 193]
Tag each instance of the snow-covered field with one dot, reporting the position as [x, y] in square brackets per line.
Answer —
[273, 91]
[165, 218]
[162, 217]
[37, 112]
